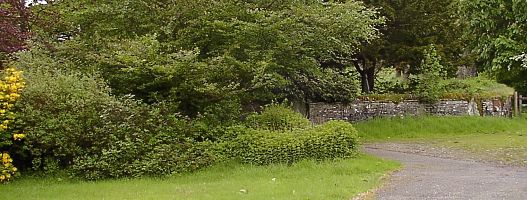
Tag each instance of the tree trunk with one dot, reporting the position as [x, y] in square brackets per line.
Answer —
[367, 74]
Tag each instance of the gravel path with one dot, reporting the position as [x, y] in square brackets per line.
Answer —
[438, 173]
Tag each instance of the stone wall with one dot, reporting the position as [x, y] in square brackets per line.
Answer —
[363, 110]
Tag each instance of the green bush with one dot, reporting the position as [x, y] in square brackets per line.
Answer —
[277, 117]
[326, 85]
[335, 139]
[72, 122]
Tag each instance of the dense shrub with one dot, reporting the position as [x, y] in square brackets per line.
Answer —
[326, 85]
[277, 117]
[73, 122]
[387, 81]
[335, 139]
[141, 140]
[11, 138]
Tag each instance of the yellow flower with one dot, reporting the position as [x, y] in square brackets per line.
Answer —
[13, 88]
[19, 137]
[11, 79]
[14, 169]
[5, 155]
[2, 177]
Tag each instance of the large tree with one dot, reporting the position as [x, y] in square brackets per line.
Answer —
[411, 26]
[498, 32]
[200, 53]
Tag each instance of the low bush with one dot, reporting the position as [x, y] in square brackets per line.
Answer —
[72, 122]
[136, 140]
[277, 117]
[335, 139]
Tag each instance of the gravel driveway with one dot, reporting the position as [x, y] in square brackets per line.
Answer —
[436, 173]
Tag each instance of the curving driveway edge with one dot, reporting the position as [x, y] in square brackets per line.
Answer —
[443, 174]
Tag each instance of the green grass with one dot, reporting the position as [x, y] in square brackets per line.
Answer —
[491, 138]
[341, 179]
[434, 127]
[507, 148]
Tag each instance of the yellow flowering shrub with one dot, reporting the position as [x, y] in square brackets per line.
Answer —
[7, 170]
[10, 89]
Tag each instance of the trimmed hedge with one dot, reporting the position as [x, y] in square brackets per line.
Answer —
[335, 139]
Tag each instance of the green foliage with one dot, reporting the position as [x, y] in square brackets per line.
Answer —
[521, 58]
[497, 32]
[479, 87]
[327, 85]
[277, 117]
[431, 74]
[466, 89]
[72, 122]
[411, 26]
[388, 82]
[201, 53]
[336, 139]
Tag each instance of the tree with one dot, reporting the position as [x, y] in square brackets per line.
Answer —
[200, 53]
[431, 74]
[411, 26]
[497, 30]
[14, 27]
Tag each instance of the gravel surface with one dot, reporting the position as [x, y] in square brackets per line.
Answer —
[440, 173]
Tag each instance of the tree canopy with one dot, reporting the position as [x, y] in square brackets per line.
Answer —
[497, 32]
[411, 26]
[201, 53]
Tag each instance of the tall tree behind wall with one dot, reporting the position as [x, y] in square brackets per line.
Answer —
[411, 26]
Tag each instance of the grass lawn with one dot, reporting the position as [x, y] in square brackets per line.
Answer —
[507, 148]
[493, 138]
[341, 179]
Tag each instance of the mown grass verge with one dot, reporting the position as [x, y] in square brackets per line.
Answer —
[341, 179]
[436, 127]
[490, 138]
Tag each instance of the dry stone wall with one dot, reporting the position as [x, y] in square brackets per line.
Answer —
[362, 110]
